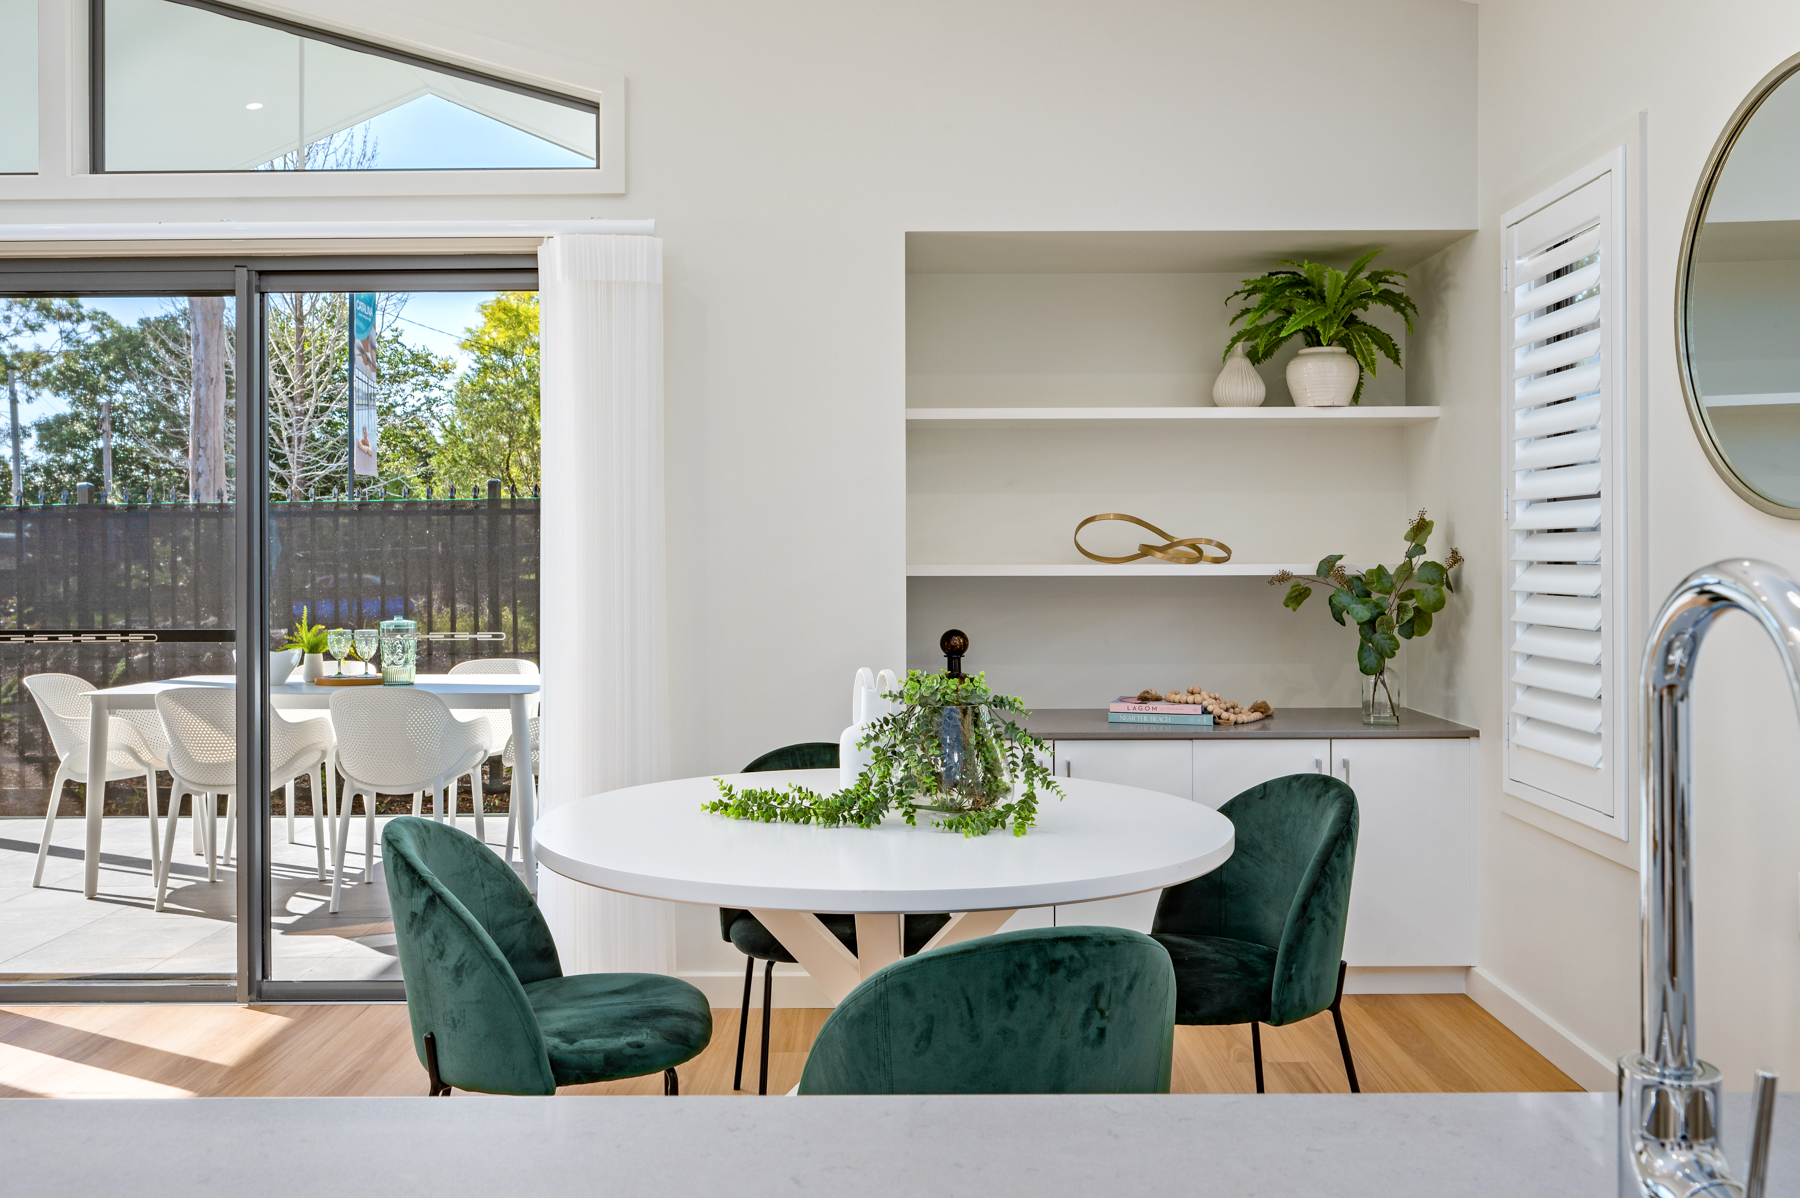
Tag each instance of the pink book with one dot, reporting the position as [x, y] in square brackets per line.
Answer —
[1127, 703]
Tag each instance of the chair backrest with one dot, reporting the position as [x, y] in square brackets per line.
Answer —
[1087, 1010]
[470, 938]
[496, 665]
[1286, 886]
[808, 755]
[201, 724]
[60, 701]
[398, 738]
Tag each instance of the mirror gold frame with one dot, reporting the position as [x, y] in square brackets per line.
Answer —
[1690, 235]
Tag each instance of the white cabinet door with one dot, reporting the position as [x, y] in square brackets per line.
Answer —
[1160, 765]
[1224, 769]
[1412, 897]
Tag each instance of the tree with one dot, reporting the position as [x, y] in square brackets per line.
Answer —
[492, 430]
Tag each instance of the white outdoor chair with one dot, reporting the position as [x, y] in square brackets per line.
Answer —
[508, 758]
[201, 725]
[313, 725]
[135, 748]
[395, 741]
[496, 726]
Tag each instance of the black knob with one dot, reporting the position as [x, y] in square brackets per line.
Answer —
[954, 643]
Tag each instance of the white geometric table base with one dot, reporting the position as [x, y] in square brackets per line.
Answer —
[878, 942]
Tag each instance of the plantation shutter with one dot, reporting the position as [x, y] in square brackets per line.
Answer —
[1565, 650]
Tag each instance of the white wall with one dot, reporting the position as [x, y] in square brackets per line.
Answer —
[1559, 923]
[785, 148]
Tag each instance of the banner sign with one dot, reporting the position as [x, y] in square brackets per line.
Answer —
[364, 433]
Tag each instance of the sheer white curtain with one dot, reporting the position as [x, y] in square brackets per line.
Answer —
[605, 714]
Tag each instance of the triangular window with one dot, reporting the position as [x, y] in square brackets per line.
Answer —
[184, 86]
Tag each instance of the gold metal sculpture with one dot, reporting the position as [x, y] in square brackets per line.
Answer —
[1183, 551]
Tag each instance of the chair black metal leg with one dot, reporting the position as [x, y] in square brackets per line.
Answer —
[737, 1078]
[1337, 1017]
[438, 1088]
[762, 1081]
[671, 1084]
[1256, 1052]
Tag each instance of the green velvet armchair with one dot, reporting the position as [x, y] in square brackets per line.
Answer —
[1086, 1010]
[491, 1008]
[748, 935]
[1261, 938]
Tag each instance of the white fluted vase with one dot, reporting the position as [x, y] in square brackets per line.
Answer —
[1238, 384]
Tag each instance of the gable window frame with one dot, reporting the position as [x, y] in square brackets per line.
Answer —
[96, 78]
[64, 127]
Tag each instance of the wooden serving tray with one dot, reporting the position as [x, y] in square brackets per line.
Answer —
[362, 680]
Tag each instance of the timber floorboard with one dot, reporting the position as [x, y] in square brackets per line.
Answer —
[1402, 1042]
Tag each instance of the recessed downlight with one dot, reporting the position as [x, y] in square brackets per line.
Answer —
[254, 105]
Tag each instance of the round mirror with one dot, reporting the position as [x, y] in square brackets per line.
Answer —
[1737, 303]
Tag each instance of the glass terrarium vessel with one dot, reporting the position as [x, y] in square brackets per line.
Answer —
[399, 652]
[1381, 698]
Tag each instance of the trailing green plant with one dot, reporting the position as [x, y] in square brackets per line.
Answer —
[950, 750]
[1323, 307]
[1387, 606]
[308, 638]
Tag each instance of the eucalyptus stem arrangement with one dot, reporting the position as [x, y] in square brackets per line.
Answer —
[1387, 606]
[950, 750]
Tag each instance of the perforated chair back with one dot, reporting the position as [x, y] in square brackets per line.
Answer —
[201, 724]
[61, 701]
[399, 740]
[511, 755]
[497, 725]
[1083, 1010]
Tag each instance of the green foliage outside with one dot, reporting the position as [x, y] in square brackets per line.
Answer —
[994, 780]
[1323, 307]
[1387, 606]
[438, 425]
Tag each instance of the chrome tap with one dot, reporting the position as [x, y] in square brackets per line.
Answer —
[1668, 1097]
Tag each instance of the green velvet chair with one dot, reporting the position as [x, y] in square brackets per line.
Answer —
[1083, 1010]
[491, 1008]
[757, 943]
[1261, 938]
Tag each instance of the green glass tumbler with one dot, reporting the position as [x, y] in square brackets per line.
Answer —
[399, 652]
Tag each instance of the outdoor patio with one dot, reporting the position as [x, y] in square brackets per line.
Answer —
[52, 932]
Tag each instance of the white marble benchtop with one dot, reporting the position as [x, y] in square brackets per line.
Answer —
[1038, 1146]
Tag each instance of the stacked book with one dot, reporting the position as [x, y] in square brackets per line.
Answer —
[1128, 710]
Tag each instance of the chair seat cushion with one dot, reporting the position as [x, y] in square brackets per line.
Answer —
[754, 940]
[602, 1026]
[1219, 981]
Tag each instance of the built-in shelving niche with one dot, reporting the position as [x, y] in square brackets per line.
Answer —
[1052, 376]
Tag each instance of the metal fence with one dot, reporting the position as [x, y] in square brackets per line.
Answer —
[466, 570]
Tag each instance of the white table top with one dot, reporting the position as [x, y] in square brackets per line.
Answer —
[459, 690]
[1101, 841]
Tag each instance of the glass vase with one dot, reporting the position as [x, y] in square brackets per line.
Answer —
[1381, 699]
[399, 652]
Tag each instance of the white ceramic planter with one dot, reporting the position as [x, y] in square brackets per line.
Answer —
[1322, 376]
[313, 668]
[1238, 384]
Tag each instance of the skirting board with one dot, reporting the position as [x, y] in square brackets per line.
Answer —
[1590, 1069]
[794, 989]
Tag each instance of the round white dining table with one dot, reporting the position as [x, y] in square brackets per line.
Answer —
[1100, 841]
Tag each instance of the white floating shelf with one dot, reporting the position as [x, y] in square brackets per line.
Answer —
[1393, 415]
[1231, 569]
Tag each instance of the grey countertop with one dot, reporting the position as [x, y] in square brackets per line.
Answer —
[1043, 1146]
[1291, 723]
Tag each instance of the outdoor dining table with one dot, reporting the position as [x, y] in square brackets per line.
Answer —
[462, 692]
[1100, 841]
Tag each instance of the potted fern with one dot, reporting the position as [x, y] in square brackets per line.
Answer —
[1324, 308]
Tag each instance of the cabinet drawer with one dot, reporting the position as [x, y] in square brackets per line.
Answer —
[1226, 769]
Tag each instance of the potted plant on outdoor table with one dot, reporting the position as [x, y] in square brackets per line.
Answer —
[949, 750]
[1323, 307]
[310, 640]
[1387, 607]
